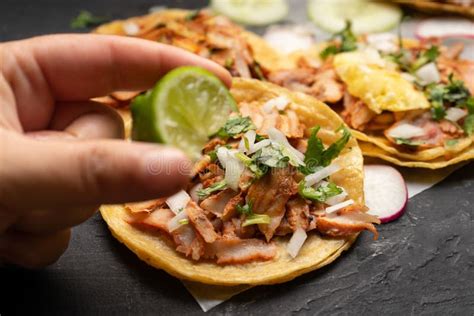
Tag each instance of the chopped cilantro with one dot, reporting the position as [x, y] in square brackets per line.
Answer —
[183, 221]
[469, 125]
[316, 156]
[235, 126]
[425, 57]
[454, 93]
[321, 194]
[272, 157]
[348, 42]
[86, 19]
[250, 217]
[213, 155]
[407, 142]
[451, 142]
[218, 186]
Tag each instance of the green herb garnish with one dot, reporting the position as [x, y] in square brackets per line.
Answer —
[183, 221]
[192, 15]
[86, 19]
[250, 217]
[469, 125]
[218, 186]
[425, 57]
[348, 42]
[321, 194]
[235, 126]
[451, 142]
[407, 142]
[316, 156]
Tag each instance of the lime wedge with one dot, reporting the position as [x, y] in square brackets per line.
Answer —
[186, 106]
[252, 12]
[366, 16]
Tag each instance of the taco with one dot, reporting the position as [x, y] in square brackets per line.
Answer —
[201, 32]
[413, 100]
[277, 193]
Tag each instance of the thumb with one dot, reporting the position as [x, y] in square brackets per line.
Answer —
[64, 173]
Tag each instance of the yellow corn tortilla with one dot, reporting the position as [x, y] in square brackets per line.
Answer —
[316, 252]
[371, 150]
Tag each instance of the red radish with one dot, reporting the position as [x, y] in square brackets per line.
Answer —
[386, 193]
[445, 28]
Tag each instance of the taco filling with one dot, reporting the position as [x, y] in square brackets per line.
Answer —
[415, 95]
[259, 178]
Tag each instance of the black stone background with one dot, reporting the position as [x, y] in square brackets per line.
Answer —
[422, 264]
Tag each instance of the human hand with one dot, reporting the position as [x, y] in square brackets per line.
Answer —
[55, 167]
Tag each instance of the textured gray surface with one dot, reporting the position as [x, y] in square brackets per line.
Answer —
[422, 264]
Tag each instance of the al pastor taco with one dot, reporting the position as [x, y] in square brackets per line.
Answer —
[278, 192]
[412, 100]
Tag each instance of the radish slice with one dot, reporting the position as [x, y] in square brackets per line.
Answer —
[296, 242]
[386, 193]
[445, 28]
[178, 201]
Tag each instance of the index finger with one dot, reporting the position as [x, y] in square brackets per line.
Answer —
[78, 67]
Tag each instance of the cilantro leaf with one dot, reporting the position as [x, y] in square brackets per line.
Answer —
[321, 194]
[469, 125]
[407, 142]
[348, 42]
[426, 57]
[316, 156]
[235, 126]
[272, 157]
[218, 186]
[86, 19]
[250, 217]
[454, 93]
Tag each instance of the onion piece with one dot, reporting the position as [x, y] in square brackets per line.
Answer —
[263, 143]
[321, 174]
[296, 242]
[178, 201]
[406, 130]
[455, 114]
[428, 74]
[296, 157]
[130, 28]
[338, 206]
[408, 77]
[279, 103]
[174, 223]
[333, 200]
[233, 171]
[289, 38]
[384, 42]
[193, 192]
[250, 136]
[222, 155]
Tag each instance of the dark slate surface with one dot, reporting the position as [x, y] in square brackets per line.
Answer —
[422, 264]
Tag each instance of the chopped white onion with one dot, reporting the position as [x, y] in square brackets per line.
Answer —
[174, 223]
[428, 74]
[338, 206]
[321, 174]
[290, 38]
[279, 103]
[263, 143]
[131, 28]
[296, 242]
[337, 198]
[455, 114]
[233, 167]
[178, 201]
[406, 130]
[222, 155]
[408, 77]
[384, 42]
[250, 136]
[278, 137]
[233, 171]
[193, 192]
[156, 8]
